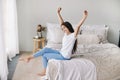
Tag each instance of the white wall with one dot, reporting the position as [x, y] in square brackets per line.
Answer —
[34, 12]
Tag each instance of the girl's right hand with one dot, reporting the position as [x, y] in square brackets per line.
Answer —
[59, 9]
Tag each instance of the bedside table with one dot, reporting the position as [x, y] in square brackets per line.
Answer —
[38, 43]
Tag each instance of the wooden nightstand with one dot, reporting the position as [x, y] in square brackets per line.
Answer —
[38, 43]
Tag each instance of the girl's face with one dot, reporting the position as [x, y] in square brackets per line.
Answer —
[65, 29]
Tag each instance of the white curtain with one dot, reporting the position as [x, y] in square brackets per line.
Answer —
[3, 56]
[10, 27]
[8, 35]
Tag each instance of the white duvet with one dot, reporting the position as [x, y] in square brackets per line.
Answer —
[74, 69]
[89, 59]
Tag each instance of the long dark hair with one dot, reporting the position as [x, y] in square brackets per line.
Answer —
[70, 28]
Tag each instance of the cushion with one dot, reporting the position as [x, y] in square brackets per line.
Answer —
[100, 30]
[88, 39]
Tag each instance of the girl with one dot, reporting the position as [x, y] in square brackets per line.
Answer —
[69, 43]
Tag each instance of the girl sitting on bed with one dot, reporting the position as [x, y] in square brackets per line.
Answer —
[69, 43]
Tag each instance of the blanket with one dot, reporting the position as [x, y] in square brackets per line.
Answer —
[74, 69]
[106, 58]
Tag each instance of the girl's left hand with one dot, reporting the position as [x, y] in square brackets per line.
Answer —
[59, 9]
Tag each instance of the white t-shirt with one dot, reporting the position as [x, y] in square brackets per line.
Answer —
[67, 45]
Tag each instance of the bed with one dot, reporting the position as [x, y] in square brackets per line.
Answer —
[95, 58]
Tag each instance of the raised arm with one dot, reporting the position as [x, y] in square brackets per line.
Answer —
[81, 22]
[59, 15]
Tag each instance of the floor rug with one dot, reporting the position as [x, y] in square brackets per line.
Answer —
[28, 71]
[12, 66]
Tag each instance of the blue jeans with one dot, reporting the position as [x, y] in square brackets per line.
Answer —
[48, 53]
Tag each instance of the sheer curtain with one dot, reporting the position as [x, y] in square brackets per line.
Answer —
[10, 27]
[8, 35]
[3, 56]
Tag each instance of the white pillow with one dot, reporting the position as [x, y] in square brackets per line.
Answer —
[54, 33]
[88, 39]
[100, 30]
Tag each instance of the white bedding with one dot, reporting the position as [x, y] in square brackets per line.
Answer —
[74, 69]
[106, 58]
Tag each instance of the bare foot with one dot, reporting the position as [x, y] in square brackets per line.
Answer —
[26, 59]
[23, 59]
[41, 74]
